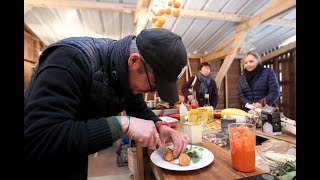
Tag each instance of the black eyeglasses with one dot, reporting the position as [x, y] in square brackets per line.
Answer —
[152, 87]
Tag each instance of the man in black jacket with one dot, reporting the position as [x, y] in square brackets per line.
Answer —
[79, 87]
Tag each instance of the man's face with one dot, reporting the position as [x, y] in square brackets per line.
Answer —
[138, 77]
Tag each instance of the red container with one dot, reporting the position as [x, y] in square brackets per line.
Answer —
[217, 114]
[176, 116]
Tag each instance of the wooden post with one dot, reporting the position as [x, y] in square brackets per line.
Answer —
[229, 58]
[140, 166]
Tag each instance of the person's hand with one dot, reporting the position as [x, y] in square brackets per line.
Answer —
[180, 140]
[257, 105]
[190, 98]
[144, 132]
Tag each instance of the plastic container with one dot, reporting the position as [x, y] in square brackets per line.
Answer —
[224, 124]
[183, 111]
[242, 146]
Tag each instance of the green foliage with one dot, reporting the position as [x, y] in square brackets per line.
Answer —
[194, 152]
[284, 171]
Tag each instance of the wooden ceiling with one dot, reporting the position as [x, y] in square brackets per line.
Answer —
[210, 29]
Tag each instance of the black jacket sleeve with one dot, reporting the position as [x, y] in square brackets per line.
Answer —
[214, 94]
[51, 131]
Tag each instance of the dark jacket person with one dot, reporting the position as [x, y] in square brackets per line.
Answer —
[79, 87]
[257, 82]
[204, 84]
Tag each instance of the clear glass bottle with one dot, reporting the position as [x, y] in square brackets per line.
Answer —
[209, 107]
[194, 102]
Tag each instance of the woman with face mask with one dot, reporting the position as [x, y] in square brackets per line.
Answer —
[257, 84]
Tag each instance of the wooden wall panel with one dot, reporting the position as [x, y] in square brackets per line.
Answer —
[215, 66]
[284, 66]
[233, 76]
[32, 47]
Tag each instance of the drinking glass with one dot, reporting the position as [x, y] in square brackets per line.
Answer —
[242, 145]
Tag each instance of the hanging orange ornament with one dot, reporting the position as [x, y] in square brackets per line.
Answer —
[176, 12]
[161, 21]
[154, 19]
[176, 4]
[168, 11]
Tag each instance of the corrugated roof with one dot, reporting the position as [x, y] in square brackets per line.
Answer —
[210, 29]
[200, 35]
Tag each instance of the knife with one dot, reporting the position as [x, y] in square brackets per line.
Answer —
[162, 150]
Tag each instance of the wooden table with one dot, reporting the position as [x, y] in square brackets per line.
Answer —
[286, 136]
[220, 168]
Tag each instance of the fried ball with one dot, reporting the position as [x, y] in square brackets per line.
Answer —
[184, 159]
[169, 155]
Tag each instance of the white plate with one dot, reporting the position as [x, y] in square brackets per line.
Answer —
[157, 158]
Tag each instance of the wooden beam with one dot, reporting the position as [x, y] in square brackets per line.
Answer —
[28, 32]
[142, 15]
[281, 22]
[212, 15]
[223, 43]
[28, 35]
[231, 17]
[87, 5]
[229, 58]
[27, 9]
[279, 51]
[195, 55]
[142, 22]
[141, 6]
[218, 55]
[274, 8]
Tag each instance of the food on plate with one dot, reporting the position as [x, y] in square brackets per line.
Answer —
[168, 156]
[192, 153]
[184, 159]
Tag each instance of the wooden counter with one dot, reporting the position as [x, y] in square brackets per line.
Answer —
[286, 136]
[220, 168]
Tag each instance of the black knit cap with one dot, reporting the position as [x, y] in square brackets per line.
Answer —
[164, 51]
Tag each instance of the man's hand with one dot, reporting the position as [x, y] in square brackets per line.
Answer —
[257, 105]
[144, 132]
[180, 140]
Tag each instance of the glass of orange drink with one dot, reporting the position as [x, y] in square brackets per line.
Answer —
[242, 146]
